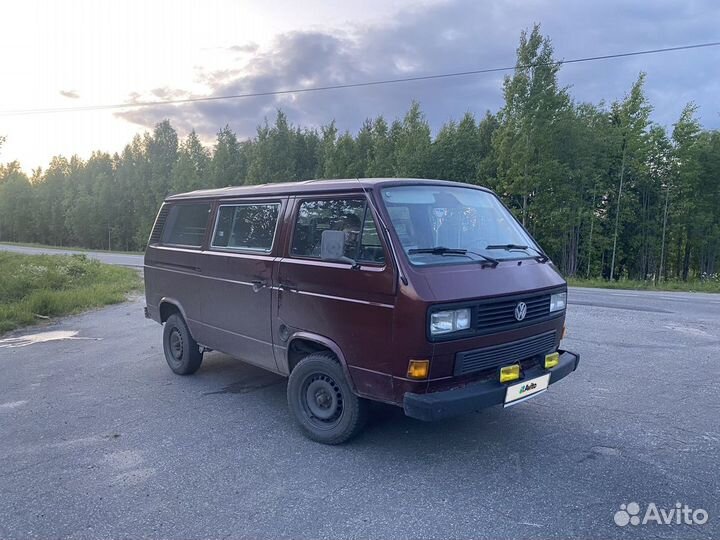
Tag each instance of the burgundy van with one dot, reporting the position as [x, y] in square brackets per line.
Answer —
[424, 294]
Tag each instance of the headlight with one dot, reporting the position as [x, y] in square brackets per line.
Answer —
[558, 301]
[444, 322]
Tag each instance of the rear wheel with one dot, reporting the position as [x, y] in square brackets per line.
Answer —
[321, 401]
[182, 352]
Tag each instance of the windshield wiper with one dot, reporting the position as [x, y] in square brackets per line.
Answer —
[438, 250]
[540, 257]
[441, 250]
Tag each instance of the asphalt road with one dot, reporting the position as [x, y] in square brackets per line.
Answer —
[98, 439]
[121, 259]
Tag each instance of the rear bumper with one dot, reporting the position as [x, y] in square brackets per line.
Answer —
[438, 405]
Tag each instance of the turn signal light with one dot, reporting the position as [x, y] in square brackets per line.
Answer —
[509, 373]
[418, 369]
[552, 360]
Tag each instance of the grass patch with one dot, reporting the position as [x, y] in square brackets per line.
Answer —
[708, 285]
[37, 286]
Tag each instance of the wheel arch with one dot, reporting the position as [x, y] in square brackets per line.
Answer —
[302, 344]
[168, 306]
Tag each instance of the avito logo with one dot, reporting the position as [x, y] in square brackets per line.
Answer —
[527, 387]
[629, 514]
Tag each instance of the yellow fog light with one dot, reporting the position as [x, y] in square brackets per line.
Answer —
[552, 360]
[509, 373]
[418, 369]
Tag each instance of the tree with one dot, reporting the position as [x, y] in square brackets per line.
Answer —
[456, 151]
[529, 122]
[273, 159]
[306, 152]
[655, 195]
[192, 169]
[363, 150]
[341, 161]
[381, 160]
[328, 140]
[412, 144]
[50, 202]
[15, 198]
[630, 119]
[229, 165]
[132, 184]
[487, 160]
[692, 215]
[162, 151]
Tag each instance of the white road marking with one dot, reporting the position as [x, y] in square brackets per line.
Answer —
[687, 330]
[41, 337]
[12, 404]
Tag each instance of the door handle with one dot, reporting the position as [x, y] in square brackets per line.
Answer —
[287, 287]
[258, 284]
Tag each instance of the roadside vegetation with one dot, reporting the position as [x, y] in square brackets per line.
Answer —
[34, 288]
[708, 284]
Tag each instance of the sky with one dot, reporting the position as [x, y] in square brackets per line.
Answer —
[77, 53]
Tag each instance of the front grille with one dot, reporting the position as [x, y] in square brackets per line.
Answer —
[494, 315]
[502, 355]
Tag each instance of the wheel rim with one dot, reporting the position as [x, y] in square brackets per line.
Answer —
[322, 400]
[176, 345]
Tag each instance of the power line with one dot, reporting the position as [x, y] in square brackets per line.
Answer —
[22, 112]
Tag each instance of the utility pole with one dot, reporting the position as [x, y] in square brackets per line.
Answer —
[617, 214]
[592, 222]
[662, 246]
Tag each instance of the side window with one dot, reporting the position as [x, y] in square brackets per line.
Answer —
[246, 226]
[352, 216]
[185, 224]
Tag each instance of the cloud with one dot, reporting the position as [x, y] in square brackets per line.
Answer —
[249, 48]
[166, 93]
[459, 35]
[71, 94]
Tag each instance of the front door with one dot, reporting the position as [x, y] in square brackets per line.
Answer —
[351, 305]
[239, 267]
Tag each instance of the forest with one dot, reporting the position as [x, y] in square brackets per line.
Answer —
[607, 192]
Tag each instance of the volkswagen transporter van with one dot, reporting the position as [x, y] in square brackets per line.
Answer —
[424, 294]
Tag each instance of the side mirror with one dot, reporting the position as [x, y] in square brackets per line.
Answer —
[332, 248]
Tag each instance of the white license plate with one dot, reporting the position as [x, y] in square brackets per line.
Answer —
[521, 391]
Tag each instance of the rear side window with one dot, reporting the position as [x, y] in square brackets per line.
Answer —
[362, 242]
[185, 225]
[246, 226]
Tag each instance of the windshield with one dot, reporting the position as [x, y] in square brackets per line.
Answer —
[427, 218]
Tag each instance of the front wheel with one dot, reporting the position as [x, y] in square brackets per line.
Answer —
[182, 352]
[321, 401]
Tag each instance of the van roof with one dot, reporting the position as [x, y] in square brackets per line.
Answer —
[308, 186]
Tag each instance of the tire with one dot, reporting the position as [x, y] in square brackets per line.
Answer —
[182, 352]
[321, 401]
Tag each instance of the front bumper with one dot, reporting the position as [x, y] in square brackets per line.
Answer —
[438, 405]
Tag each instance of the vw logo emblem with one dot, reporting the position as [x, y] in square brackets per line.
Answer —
[520, 311]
